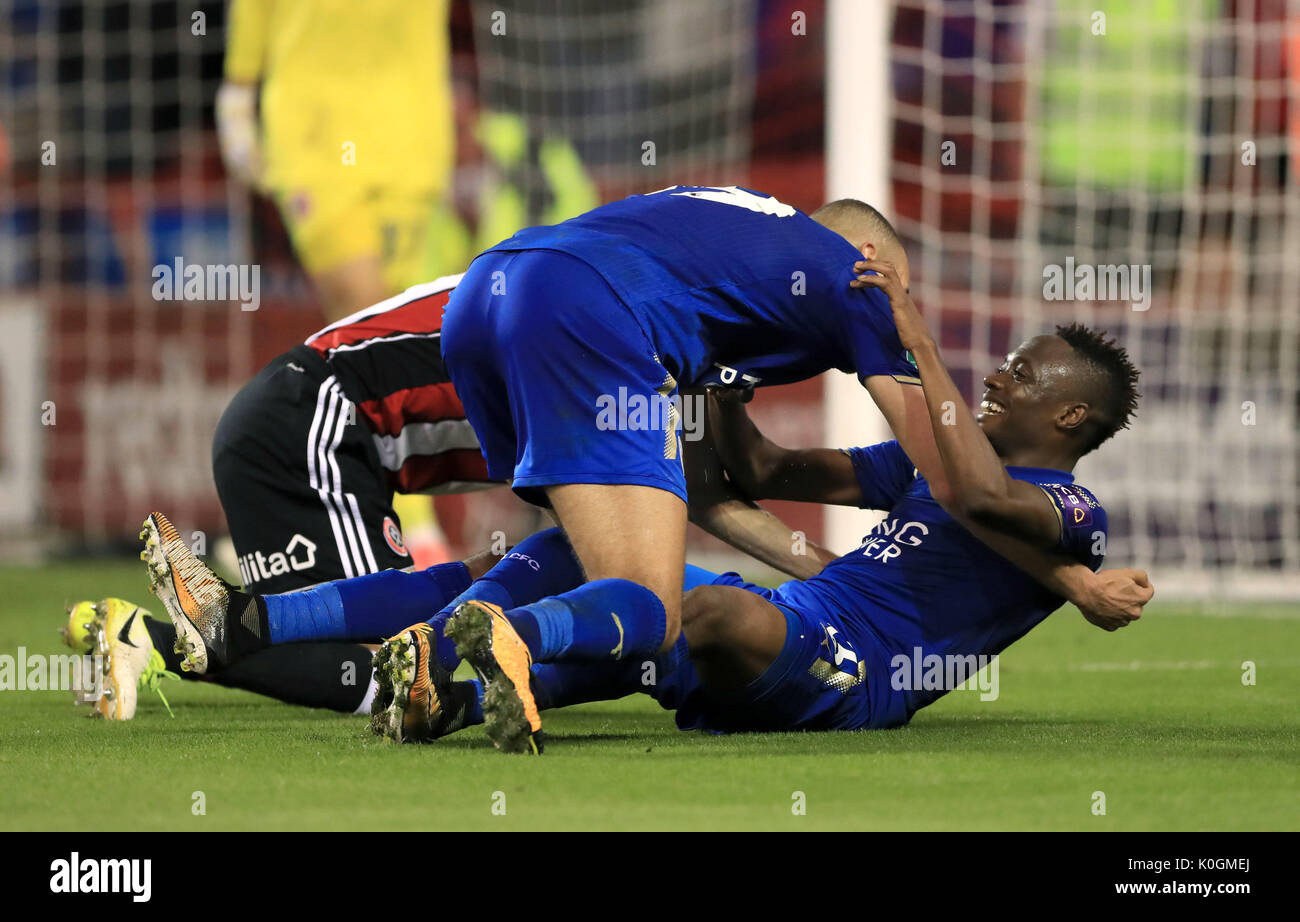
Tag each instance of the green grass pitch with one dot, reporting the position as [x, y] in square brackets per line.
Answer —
[1155, 716]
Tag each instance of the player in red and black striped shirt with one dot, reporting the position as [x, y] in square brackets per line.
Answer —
[308, 455]
[306, 460]
[388, 360]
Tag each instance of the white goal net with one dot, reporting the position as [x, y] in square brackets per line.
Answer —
[648, 92]
[1135, 168]
[110, 170]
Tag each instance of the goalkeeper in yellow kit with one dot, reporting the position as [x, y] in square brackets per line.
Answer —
[356, 146]
[356, 139]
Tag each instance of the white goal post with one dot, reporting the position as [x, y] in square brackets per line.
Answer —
[857, 166]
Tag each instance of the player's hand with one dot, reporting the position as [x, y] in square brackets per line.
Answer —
[1116, 598]
[237, 132]
[912, 329]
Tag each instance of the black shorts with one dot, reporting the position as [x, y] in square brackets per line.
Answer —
[305, 495]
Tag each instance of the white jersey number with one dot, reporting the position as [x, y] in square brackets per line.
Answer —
[734, 195]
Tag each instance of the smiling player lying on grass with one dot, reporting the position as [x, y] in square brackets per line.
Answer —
[811, 654]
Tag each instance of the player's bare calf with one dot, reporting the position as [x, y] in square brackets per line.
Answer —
[631, 532]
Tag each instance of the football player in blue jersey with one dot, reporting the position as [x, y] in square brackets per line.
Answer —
[635, 300]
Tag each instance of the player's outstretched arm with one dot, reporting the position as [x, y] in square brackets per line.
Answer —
[1109, 599]
[717, 506]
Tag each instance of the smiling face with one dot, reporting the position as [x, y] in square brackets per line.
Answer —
[1035, 399]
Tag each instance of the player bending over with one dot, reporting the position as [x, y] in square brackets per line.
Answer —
[816, 654]
[685, 287]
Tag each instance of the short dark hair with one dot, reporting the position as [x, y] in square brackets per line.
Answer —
[1118, 374]
[850, 212]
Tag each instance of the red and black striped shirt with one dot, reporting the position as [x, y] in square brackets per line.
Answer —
[388, 360]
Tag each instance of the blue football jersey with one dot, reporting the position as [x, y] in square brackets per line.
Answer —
[732, 287]
[920, 581]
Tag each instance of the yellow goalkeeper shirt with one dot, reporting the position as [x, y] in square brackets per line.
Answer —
[355, 93]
